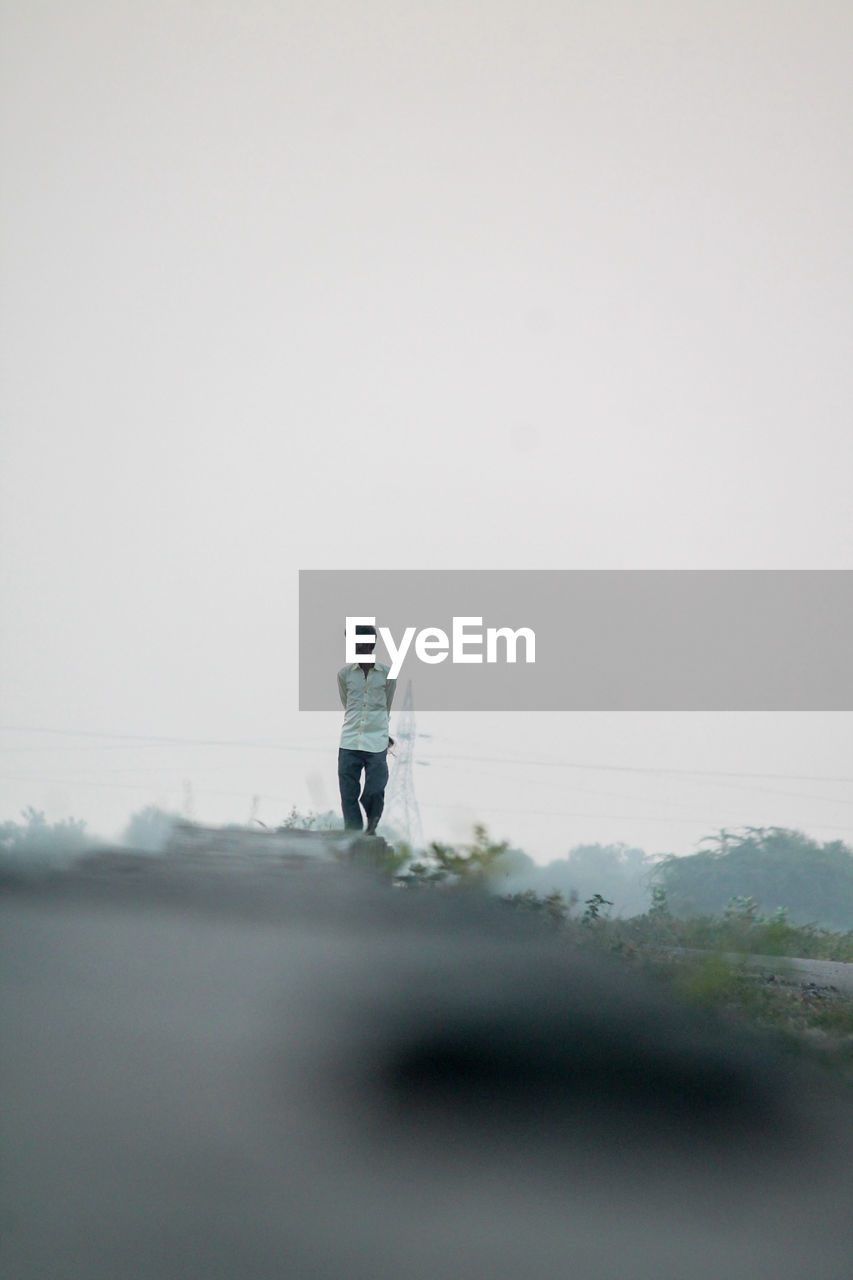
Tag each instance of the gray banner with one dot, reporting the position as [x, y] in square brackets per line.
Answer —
[606, 640]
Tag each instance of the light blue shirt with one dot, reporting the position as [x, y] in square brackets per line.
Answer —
[367, 704]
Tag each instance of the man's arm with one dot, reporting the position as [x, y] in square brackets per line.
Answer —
[390, 686]
[342, 686]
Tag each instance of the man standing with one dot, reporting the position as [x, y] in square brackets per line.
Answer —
[366, 695]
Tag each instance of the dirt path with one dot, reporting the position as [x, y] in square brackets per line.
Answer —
[826, 973]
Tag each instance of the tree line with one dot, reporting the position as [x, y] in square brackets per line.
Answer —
[774, 869]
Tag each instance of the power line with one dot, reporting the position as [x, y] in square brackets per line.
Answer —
[140, 786]
[621, 795]
[648, 769]
[172, 742]
[519, 812]
[117, 741]
[148, 739]
[522, 811]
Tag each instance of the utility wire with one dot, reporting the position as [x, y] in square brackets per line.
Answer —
[120, 739]
[621, 795]
[649, 769]
[137, 739]
[522, 811]
[141, 786]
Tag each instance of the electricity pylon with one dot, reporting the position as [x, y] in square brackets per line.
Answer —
[401, 809]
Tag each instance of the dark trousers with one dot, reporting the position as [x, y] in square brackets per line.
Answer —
[375, 766]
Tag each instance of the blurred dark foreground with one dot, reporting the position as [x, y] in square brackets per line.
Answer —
[247, 1071]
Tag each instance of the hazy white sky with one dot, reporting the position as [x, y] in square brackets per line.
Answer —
[429, 285]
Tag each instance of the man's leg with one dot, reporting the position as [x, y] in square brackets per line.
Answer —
[349, 780]
[375, 779]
